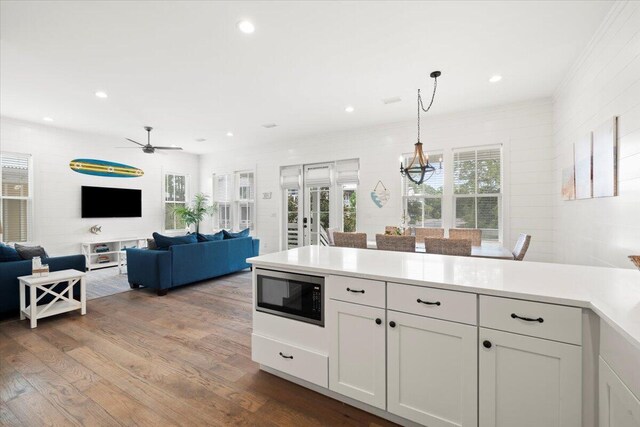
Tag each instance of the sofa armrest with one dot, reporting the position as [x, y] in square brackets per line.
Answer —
[149, 268]
[69, 262]
[256, 247]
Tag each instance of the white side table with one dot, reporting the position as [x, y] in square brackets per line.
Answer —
[61, 303]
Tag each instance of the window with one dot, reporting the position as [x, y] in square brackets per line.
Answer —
[477, 190]
[175, 195]
[423, 202]
[223, 193]
[246, 200]
[349, 199]
[16, 197]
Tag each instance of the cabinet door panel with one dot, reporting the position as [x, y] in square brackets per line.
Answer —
[618, 406]
[432, 370]
[529, 382]
[357, 352]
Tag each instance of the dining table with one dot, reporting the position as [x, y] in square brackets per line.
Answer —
[486, 250]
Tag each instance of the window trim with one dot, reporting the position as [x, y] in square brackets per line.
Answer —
[30, 199]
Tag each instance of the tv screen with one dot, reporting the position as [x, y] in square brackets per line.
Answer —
[105, 202]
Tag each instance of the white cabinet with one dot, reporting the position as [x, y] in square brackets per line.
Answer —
[357, 352]
[432, 370]
[618, 406]
[528, 382]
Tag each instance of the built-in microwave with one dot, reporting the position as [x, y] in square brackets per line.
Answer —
[295, 296]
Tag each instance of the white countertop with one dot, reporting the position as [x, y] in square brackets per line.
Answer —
[612, 293]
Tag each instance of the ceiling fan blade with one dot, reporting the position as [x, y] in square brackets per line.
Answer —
[142, 145]
[130, 148]
[167, 148]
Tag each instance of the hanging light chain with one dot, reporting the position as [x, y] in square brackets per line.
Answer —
[421, 105]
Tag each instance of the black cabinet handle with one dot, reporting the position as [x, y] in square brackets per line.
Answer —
[378, 321]
[356, 291]
[486, 344]
[286, 357]
[428, 302]
[392, 324]
[528, 319]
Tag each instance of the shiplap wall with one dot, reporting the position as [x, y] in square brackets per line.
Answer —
[57, 222]
[525, 130]
[605, 82]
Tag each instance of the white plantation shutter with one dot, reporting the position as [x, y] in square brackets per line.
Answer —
[347, 171]
[224, 188]
[15, 200]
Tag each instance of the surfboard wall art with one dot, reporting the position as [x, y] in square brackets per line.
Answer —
[104, 168]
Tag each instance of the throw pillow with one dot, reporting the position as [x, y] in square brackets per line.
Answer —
[210, 237]
[7, 253]
[28, 252]
[151, 245]
[164, 242]
[230, 235]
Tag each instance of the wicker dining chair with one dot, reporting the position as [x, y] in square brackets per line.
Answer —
[421, 233]
[396, 243]
[473, 234]
[437, 245]
[521, 246]
[350, 240]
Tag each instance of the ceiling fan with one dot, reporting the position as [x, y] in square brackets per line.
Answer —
[148, 148]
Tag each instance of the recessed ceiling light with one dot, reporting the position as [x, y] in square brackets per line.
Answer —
[47, 119]
[229, 133]
[246, 27]
[349, 109]
[101, 94]
[495, 78]
[201, 140]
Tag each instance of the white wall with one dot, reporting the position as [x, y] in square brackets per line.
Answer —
[57, 222]
[524, 129]
[605, 82]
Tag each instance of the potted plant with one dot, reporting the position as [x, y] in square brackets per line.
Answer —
[194, 213]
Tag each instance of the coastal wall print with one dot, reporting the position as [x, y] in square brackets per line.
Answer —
[104, 168]
[605, 159]
[582, 159]
[380, 195]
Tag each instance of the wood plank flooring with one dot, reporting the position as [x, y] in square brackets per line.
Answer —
[140, 359]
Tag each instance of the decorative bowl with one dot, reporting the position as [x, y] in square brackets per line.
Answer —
[635, 259]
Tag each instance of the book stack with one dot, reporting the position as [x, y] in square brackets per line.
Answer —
[101, 248]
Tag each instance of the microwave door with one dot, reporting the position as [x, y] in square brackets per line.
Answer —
[273, 291]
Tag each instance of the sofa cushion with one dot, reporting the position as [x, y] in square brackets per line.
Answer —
[230, 235]
[151, 245]
[7, 253]
[164, 242]
[210, 237]
[29, 252]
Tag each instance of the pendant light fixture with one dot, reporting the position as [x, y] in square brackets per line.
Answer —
[419, 169]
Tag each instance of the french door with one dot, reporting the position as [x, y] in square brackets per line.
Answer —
[317, 214]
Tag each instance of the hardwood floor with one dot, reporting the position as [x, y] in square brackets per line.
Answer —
[139, 359]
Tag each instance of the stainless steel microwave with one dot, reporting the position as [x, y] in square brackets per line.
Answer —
[295, 296]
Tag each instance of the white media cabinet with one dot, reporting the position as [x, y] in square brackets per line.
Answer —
[116, 248]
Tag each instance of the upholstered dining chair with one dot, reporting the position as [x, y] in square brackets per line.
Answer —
[438, 245]
[421, 233]
[521, 246]
[473, 234]
[350, 240]
[396, 243]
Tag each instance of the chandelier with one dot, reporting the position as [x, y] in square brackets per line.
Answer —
[419, 169]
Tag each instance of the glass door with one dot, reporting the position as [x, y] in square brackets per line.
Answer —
[317, 214]
[293, 207]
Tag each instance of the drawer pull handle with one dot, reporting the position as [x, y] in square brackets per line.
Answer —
[285, 357]
[528, 319]
[428, 302]
[356, 291]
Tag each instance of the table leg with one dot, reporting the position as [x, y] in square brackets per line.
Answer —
[33, 306]
[83, 296]
[23, 298]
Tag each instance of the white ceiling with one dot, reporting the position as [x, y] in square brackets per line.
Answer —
[184, 68]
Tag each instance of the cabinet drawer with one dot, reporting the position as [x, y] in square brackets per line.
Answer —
[550, 321]
[359, 291]
[304, 364]
[438, 303]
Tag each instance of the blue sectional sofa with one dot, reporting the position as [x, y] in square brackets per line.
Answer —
[188, 263]
[11, 270]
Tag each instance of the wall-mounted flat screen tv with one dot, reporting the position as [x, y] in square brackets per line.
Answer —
[106, 202]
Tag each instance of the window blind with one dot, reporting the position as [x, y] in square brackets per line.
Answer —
[224, 188]
[431, 187]
[347, 171]
[317, 175]
[290, 177]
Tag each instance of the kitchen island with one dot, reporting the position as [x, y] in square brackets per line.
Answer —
[458, 341]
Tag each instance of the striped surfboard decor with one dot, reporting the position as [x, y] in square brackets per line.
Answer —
[104, 168]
